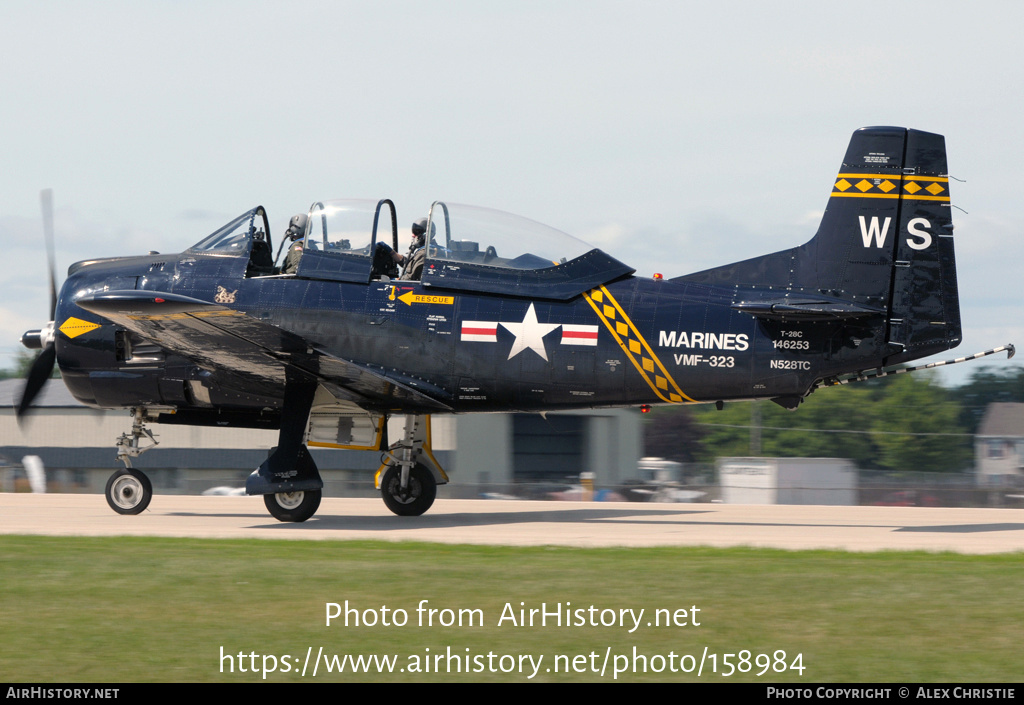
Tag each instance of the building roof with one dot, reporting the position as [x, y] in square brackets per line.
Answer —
[53, 394]
[1003, 419]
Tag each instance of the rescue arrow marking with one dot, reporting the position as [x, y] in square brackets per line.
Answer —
[411, 298]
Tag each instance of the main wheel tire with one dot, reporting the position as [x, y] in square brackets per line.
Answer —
[293, 506]
[129, 491]
[414, 499]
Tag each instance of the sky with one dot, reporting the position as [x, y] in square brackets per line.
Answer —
[676, 136]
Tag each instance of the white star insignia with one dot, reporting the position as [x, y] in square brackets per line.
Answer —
[529, 334]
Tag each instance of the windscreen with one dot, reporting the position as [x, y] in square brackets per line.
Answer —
[229, 239]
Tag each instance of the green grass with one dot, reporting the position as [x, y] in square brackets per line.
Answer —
[149, 609]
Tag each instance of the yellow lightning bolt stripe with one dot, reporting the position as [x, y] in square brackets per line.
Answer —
[74, 327]
[634, 346]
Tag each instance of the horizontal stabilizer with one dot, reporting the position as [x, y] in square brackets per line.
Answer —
[807, 310]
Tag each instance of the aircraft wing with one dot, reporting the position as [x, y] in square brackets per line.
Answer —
[225, 339]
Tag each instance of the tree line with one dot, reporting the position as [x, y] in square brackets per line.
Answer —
[901, 422]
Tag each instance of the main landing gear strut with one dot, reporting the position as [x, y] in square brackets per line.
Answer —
[289, 479]
[408, 477]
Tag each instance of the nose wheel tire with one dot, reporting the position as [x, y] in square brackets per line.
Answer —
[416, 498]
[293, 506]
[129, 492]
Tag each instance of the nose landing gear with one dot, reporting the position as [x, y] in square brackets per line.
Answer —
[129, 491]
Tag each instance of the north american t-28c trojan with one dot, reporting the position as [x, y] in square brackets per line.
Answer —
[507, 315]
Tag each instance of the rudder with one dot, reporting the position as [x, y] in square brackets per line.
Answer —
[925, 305]
[884, 246]
[892, 192]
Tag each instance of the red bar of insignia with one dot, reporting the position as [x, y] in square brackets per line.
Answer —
[480, 331]
[579, 335]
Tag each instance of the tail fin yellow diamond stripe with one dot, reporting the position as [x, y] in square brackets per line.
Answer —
[634, 346]
[916, 188]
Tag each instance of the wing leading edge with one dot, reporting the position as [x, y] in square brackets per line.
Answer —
[223, 338]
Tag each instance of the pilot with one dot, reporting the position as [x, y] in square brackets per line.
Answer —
[413, 261]
[296, 232]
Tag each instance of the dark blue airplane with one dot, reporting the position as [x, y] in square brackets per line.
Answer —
[507, 315]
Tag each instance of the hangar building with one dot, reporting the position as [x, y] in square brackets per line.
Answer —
[480, 452]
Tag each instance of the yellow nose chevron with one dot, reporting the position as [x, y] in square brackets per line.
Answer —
[74, 327]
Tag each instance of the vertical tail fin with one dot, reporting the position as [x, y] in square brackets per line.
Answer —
[884, 243]
[886, 238]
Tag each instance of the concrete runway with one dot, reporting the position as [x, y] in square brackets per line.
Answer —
[534, 523]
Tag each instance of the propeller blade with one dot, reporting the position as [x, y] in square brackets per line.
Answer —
[38, 375]
[46, 201]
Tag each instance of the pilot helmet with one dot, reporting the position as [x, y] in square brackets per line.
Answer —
[419, 229]
[296, 227]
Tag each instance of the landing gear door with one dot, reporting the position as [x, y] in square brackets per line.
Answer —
[351, 432]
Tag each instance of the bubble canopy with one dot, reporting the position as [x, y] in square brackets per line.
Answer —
[470, 247]
[471, 233]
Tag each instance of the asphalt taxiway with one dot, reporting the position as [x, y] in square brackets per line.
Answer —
[535, 523]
